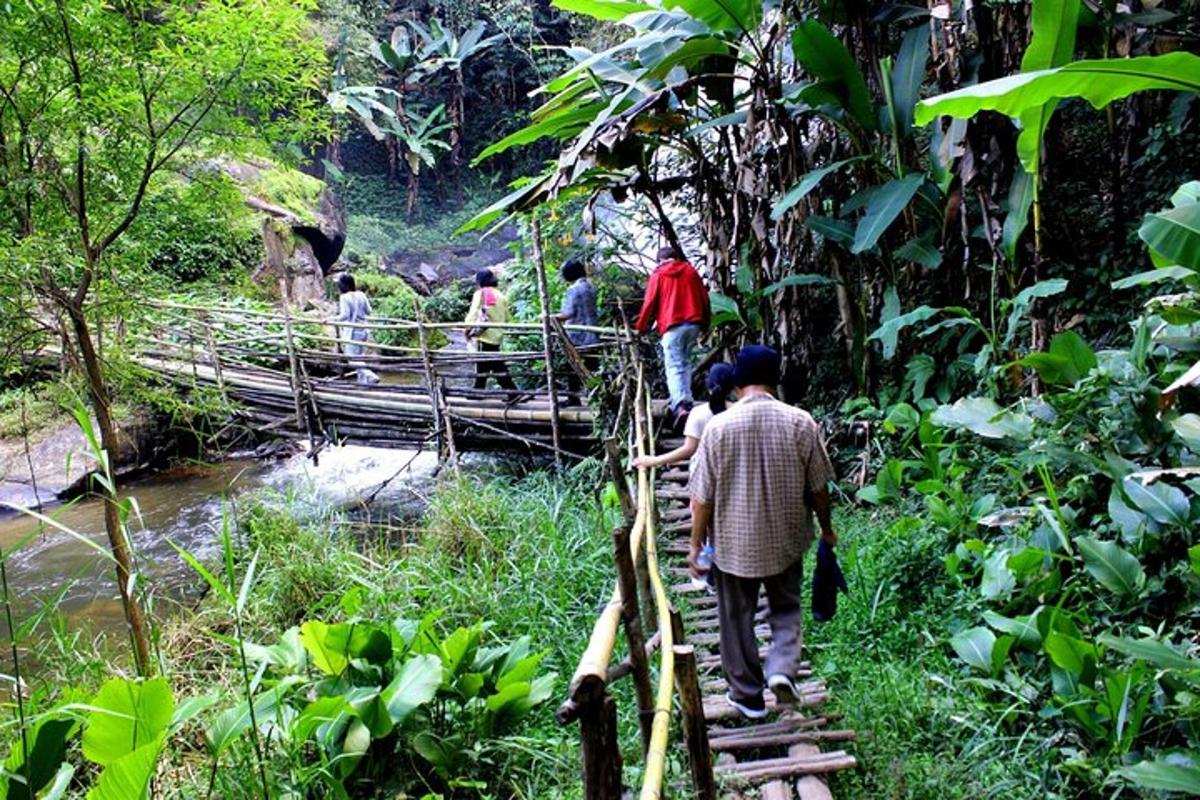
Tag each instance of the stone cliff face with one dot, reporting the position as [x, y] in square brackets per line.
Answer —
[303, 228]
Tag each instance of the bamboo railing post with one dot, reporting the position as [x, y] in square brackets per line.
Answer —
[215, 355]
[544, 298]
[695, 734]
[600, 749]
[451, 447]
[627, 581]
[291, 350]
[431, 382]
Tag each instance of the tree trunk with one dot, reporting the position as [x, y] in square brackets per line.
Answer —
[456, 112]
[102, 407]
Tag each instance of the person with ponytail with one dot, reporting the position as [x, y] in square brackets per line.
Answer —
[719, 384]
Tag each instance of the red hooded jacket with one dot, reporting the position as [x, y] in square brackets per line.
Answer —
[674, 295]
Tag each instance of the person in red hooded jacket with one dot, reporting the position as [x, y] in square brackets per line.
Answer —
[677, 300]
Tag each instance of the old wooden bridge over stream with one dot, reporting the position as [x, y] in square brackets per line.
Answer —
[281, 374]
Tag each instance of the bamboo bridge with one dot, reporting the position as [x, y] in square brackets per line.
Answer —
[282, 374]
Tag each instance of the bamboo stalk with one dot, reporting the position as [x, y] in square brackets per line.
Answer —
[430, 379]
[544, 298]
[291, 348]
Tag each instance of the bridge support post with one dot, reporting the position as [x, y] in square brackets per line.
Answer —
[634, 637]
[601, 750]
[695, 735]
[544, 298]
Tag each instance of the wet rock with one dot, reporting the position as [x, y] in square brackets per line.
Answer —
[62, 460]
[429, 270]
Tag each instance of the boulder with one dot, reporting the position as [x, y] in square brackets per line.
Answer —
[62, 462]
[429, 270]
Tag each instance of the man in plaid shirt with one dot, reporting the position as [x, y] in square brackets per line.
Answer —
[760, 470]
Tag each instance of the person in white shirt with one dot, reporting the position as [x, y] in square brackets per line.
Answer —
[719, 383]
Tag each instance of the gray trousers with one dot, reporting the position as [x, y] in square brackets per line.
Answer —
[737, 601]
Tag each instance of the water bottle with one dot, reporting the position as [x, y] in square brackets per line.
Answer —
[705, 560]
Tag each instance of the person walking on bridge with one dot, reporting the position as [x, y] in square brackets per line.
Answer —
[759, 473]
[676, 298]
[579, 308]
[489, 305]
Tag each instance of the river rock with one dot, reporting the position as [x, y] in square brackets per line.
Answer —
[62, 460]
[429, 270]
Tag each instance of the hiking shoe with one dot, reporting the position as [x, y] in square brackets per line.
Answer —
[784, 688]
[750, 708]
[704, 584]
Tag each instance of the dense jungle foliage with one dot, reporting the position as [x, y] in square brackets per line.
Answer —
[973, 229]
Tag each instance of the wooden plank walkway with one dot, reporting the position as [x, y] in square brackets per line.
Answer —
[783, 756]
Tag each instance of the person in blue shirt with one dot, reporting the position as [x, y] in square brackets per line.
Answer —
[579, 308]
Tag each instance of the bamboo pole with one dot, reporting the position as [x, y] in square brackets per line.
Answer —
[544, 298]
[451, 446]
[656, 755]
[291, 348]
[634, 638]
[695, 734]
[430, 383]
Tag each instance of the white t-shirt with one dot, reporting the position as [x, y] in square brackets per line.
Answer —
[697, 419]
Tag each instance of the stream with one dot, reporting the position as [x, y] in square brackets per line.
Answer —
[183, 505]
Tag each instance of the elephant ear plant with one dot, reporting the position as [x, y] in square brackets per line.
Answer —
[1075, 514]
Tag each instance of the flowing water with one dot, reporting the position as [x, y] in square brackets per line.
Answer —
[182, 506]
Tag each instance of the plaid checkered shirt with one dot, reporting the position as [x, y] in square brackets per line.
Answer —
[755, 464]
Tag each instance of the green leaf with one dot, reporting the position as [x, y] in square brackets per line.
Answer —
[563, 125]
[1161, 502]
[998, 581]
[128, 777]
[1020, 200]
[1052, 45]
[1194, 558]
[1069, 361]
[1174, 234]
[1073, 655]
[983, 417]
[124, 716]
[806, 184]
[723, 121]
[1150, 277]
[1112, 566]
[1163, 776]
[1024, 629]
[1099, 81]
[920, 251]
[883, 209]
[1024, 299]
[975, 646]
[722, 15]
[1152, 651]
[908, 75]
[416, 685]
[827, 60]
[233, 722]
[1187, 428]
[888, 333]
[835, 230]
[46, 740]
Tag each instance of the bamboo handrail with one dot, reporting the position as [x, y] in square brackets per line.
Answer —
[656, 755]
[382, 323]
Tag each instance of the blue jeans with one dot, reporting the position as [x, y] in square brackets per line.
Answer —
[677, 345]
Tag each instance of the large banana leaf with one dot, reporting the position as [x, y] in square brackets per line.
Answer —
[836, 74]
[562, 125]
[1099, 81]
[1054, 25]
[723, 15]
[883, 208]
[908, 75]
[606, 10]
